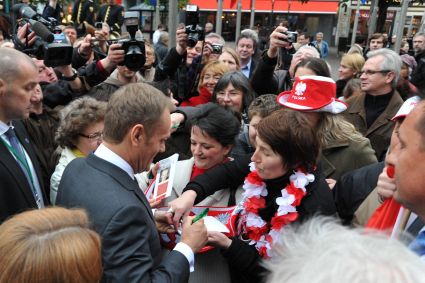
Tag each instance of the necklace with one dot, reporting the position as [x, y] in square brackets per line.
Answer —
[259, 232]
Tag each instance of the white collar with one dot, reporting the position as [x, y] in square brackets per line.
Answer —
[106, 154]
[4, 127]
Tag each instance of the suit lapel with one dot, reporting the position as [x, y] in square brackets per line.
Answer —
[25, 142]
[16, 172]
[121, 177]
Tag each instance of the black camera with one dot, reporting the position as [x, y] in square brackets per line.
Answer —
[51, 44]
[217, 48]
[134, 47]
[194, 31]
[291, 36]
[98, 25]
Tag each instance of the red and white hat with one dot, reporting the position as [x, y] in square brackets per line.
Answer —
[312, 93]
[407, 106]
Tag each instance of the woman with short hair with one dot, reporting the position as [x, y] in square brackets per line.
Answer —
[79, 133]
[210, 75]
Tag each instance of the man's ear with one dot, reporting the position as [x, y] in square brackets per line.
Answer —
[137, 134]
[390, 77]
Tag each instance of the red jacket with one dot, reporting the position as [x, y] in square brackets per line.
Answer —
[203, 97]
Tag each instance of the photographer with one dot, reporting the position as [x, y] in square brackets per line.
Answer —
[265, 79]
[175, 67]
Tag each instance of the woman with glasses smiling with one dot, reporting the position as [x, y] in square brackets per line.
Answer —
[79, 133]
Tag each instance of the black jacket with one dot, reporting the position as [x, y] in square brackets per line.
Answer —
[265, 79]
[353, 188]
[244, 260]
[418, 74]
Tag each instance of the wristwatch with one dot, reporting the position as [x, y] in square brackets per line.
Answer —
[71, 78]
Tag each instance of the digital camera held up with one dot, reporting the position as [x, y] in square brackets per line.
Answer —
[51, 44]
[291, 36]
[134, 47]
[194, 31]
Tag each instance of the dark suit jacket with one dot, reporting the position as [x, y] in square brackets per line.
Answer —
[122, 215]
[15, 192]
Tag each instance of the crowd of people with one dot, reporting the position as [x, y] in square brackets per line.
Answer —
[295, 158]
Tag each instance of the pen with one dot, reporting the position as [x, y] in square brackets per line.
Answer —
[201, 215]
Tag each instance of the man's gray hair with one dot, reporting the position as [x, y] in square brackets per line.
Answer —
[320, 33]
[419, 34]
[308, 47]
[392, 62]
[323, 251]
[216, 35]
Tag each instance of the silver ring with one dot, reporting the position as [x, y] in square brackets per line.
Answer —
[170, 210]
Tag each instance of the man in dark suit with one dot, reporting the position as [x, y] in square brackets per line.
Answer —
[20, 185]
[112, 14]
[137, 123]
[246, 47]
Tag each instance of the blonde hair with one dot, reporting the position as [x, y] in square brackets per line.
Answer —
[354, 61]
[214, 66]
[232, 53]
[334, 128]
[49, 245]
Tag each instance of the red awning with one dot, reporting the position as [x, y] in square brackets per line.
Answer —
[294, 6]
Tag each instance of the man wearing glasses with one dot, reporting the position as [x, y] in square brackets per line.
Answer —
[371, 112]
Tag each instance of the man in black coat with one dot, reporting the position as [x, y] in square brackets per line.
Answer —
[418, 74]
[21, 187]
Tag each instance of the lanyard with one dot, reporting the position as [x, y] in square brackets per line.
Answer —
[18, 158]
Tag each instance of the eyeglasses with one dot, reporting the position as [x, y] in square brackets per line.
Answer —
[95, 136]
[372, 72]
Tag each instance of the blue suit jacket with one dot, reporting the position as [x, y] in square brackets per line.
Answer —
[122, 215]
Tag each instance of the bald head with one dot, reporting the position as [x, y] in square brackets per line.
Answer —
[10, 59]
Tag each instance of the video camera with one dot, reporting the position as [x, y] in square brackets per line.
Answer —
[194, 31]
[51, 44]
[134, 47]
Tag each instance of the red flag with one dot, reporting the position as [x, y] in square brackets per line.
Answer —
[385, 216]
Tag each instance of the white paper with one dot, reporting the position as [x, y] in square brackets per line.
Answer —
[213, 224]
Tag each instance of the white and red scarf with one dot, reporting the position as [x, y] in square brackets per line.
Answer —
[252, 227]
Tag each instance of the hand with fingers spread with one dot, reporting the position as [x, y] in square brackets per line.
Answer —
[194, 235]
[181, 206]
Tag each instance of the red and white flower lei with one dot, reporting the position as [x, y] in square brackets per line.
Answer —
[260, 233]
